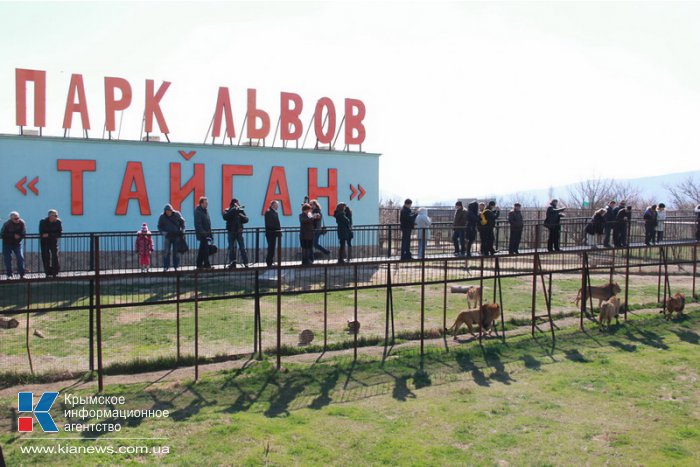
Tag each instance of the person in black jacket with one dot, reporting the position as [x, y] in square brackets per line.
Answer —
[272, 231]
[650, 225]
[622, 220]
[515, 219]
[306, 234]
[552, 221]
[472, 222]
[344, 230]
[235, 219]
[13, 232]
[202, 227]
[595, 227]
[408, 222]
[697, 226]
[487, 222]
[459, 229]
[50, 230]
[609, 222]
[171, 225]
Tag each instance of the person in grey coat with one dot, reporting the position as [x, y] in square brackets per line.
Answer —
[202, 227]
[515, 219]
[171, 225]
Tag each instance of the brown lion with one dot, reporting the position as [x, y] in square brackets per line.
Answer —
[484, 317]
[601, 292]
[608, 310]
[675, 303]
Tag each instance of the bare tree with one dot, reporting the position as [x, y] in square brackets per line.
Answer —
[591, 194]
[626, 191]
[684, 195]
[527, 201]
[595, 193]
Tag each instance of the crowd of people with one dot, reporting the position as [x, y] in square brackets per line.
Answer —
[608, 224]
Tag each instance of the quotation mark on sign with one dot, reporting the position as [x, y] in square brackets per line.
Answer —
[354, 192]
[31, 185]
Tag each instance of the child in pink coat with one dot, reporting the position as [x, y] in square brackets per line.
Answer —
[144, 247]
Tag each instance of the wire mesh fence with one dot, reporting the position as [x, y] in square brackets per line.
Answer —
[156, 320]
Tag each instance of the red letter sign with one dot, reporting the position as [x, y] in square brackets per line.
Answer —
[277, 191]
[354, 121]
[195, 183]
[153, 106]
[325, 138]
[330, 192]
[76, 85]
[253, 114]
[76, 169]
[111, 104]
[223, 108]
[290, 117]
[133, 176]
[227, 174]
[38, 77]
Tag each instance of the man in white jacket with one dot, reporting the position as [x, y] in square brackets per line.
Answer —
[660, 218]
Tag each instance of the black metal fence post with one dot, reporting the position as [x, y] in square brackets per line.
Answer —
[29, 352]
[422, 305]
[388, 250]
[357, 330]
[279, 304]
[325, 308]
[196, 325]
[91, 323]
[627, 280]
[257, 245]
[695, 266]
[177, 317]
[256, 312]
[98, 310]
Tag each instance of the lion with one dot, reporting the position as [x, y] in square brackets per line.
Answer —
[473, 295]
[485, 317]
[675, 303]
[608, 310]
[601, 292]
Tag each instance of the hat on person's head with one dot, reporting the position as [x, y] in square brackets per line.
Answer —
[144, 227]
[459, 203]
[167, 207]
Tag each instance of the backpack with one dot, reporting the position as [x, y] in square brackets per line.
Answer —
[482, 218]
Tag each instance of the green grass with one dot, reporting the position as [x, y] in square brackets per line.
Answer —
[226, 326]
[626, 397]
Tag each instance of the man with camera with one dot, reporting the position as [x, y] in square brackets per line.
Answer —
[235, 218]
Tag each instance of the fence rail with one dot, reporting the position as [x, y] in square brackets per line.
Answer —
[370, 242]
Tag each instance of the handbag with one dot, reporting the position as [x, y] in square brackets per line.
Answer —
[212, 249]
[181, 245]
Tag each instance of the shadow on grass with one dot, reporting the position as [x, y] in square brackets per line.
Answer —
[259, 388]
[690, 337]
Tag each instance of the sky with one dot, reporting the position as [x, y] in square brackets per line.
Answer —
[462, 98]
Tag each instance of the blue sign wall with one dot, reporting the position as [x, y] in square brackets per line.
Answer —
[104, 186]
